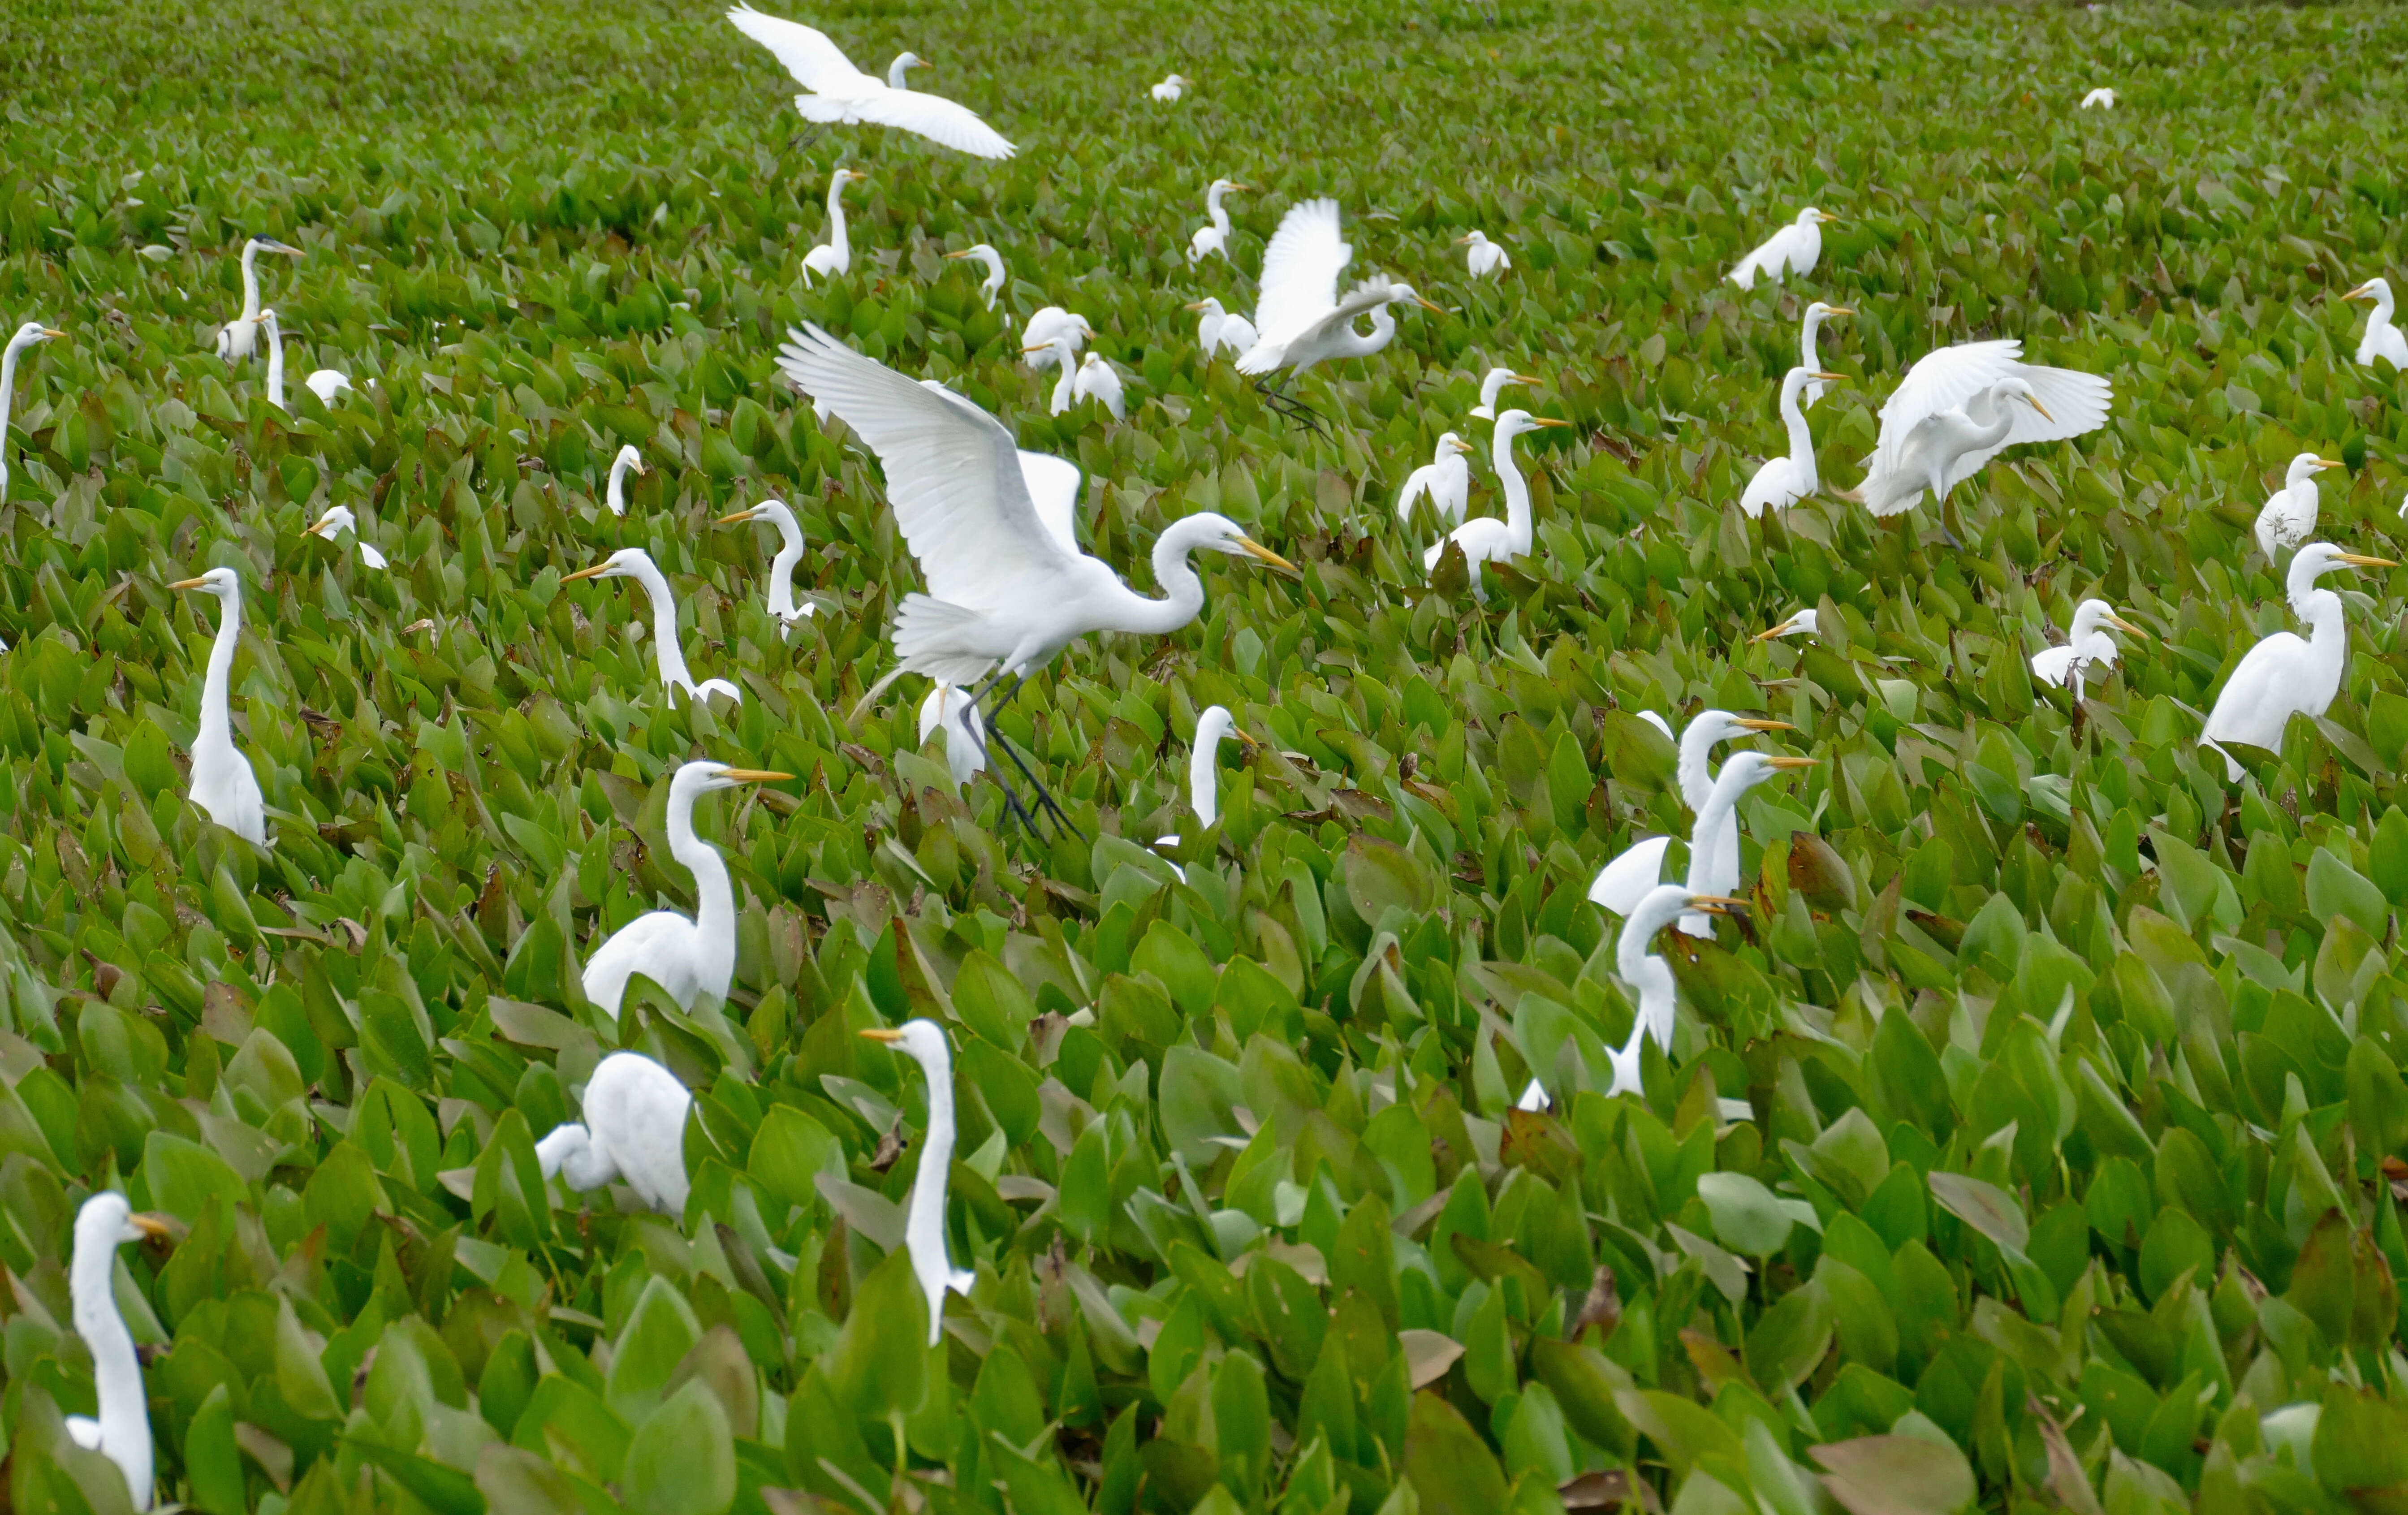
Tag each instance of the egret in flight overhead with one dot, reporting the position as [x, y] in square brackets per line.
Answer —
[1810, 329]
[636, 563]
[237, 338]
[2283, 675]
[1651, 976]
[2088, 647]
[1037, 338]
[1301, 320]
[633, 1129]
[687, 956]
[2289, 518]
[2382, 339]
[1445, 482]
[338, 520]
[1485, 259]
[1217, 329]
[833, 258]
[1792, 249]
[1486, 538]
[1170, 89]
[923, 1215]
[1495, 379]
[223, 785]
[992, 285]
[29, 334]
[783, 606]
[840, 92]
[1783, 481]
[1213, 239]
[1960, 407]
[1005, 593]
[122, 1433]
[615, 493]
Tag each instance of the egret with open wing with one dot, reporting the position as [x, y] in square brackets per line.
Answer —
[839, 92]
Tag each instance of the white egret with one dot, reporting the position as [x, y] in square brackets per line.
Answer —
[2382, 339]
[223, 785]
[1099, 381]
[1065, 387]
[923, 1217]
[1656, 720]
[1802, 623]
[325, 384]
[1713, 834]
[2086, 647]
[1495, 379]
[1298, 314]
[614, 495]
[965, 733]
[1170, 89]
[1216, 329]
[1651, 976]
[2283, 675]
[1792, 249]
[840, 92]
[2102, 99]
[339, 519]
[1962, 381]
[636, 563]
[833, 258]
[1810, 328]
[1037, 338]
[122, 1431]
[1213, 239]
[1485, 259]
[237, 338]
[687, 956]
[1445, 482]
[783, 606]
[992, 285]
[29, 334]
[1214, 726]
[2289, 517]
[633, 1129]
[1006, 593]
[1783, 481]
[1486, 538]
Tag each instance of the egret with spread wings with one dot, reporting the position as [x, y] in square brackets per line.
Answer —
[1962, 405]
[1299, 316]
[840, 92]
[1006, 593]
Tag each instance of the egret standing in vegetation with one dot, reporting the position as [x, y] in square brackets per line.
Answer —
[1217, 329]
[687, 956]
[833, 258]
[633, 1129]
[1486, 538]
[1211, 239]
[1809, 330]
[31, 334]
[840, 92]
[1713, 834]
[1099, 381]
[122, 1433]
[614, 493]
[1445, 482]
[1485, 259]
[636, 563]
[338, 520]
[1494, 381]
[1792, 249]
[1048, 324]
[237, 338]
[1170, 89]
[1301, 320]
[1213, 728]
[325, 384]
[924, 1216]
[2289, 518]
[2100, 99]
[2087, 645]
[2283, 675]
[223, 785]
[783, 606]
[1781, 482]
[2382, 339]
[1650, 976]
[992, 285]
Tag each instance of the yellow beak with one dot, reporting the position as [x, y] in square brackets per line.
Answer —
[1253, 549]
[2330, 463]
[156, 1226]
[1249, 743]
[52, 331]
[883, 1034]
[2122, 625]
[595, 572]
[1547, 420]
[2357, 562]
[1525, 378]
[1460, 240]
[756, 776]
[189, 583]
[965, 253]
[1842, 310]
[1765, 725]
[2356, 293]
[1462, 446]
[1768, 635]
[1195, 304]
[1830, 378]
[316, 528]
[1717, 904]
[2037, 406]
[1427, 306]
[1830, 221]
[741, 515]
[1782, 760]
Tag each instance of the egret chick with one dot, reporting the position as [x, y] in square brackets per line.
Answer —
[992, 285]
[633, 1129]
[339, 519]
[636, 563]
[923, 1217]
[840, 92]
[1216, 329]
[30, 334]
[1170, 89]
[2382, 339]
[1792, 249]
[1445, 482]
[2289, 518]
[1781, 482]
[1486, 538]
[614, 493]
[833, 258]
[1213, 240]
[783, 605]
[122, 1433]
[237, 338]
[687, 956]
[2086, 647]
[223, 785]
[2283, 675]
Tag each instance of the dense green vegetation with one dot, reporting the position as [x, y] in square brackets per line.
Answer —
[2070, 1070]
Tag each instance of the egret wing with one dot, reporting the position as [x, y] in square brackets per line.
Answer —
[2053, 665]
[1300, 269]
[2077, 403]
[944, 121]
[953, 476]
[819, 65]
[1054, 488]
[1940, 380]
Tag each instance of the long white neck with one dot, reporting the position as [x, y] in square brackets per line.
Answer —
[2328, 637]
[924, 1220]
[9, 356]
[616, 495]
[1518, 524]
[714, 915]
[216, 728]
[117, 1373]
[1708, 857]
[1212, 208]
[1183, 593]
[275, 335]
[665, 630]
[838, 239]
[250, 281]
[1352, 344]
[1204, 781]
[1696, 769]
[1065, 387]
[2383, 305]
[1801, 440]
[1808, 335]
[1488, 388]
[782, 572]
[899, 72]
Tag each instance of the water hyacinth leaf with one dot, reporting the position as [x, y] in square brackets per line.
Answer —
[682, 1460]
[1747, 1218]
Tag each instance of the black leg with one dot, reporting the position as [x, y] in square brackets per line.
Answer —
[989, 739]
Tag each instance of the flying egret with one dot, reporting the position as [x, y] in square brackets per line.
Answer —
[123, 1432]
[1486, 538]
[633, 1129]
[636, 563]
[1651, 976]
[1792, 249]
[1301, 320]
[237, 338]
[1783, 481]
[1963, 382]
[1005, 592]
[783, 605]
[1213, 728]
[1037, 338]
[339, 519]
[1799, 624]
[2102, 99]
[1713, 834]
[687, 956]
[2289, 518]
[2086, 647]
[1445, 482]
[2283, 675]
[965, 733]
[1485, 259]
[615, 493]
[2382, 339]
[1216, 329]
[992, 285]
[840, 92]
[29, 334]
[923, 1217]
[1810, 328]
[1170, 89]
[1213, 239]
[1495, 379]
[223, 785]
[833, 258]
[1099, 381]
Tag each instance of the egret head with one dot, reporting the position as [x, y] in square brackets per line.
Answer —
[1398, 290]
[630, 458]
[1665, 903]
[772, 511]
[32, 332]
[849, 175]
[1794, 382]
[1180, 79]
[1452, 443]
[1717, 726]
[2378, 290]
[1472, 238]
[1207, 305]
[1800, 625]
[627, 561]
[1818, 312]
[1094, 360]
[922, 1040]
[1517, 423]
[1218, 534]
[336, 520]
[1812, 216]
[269, 244]
[2307, 466]
[907, 60]
[2015, 389]
[2092, 614]
[1749, 769]
[1216, 725]
[1220, 186]
[2315, 560]
[222, 582]
[976, 249]
[701, 777]
[108, 1220]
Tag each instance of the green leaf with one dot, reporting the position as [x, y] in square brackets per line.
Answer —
[790, 1150]
[1197, 1091]
[660, 1331]
[682, 1460]
[1987, 1207]
[212, 1462]
[1896, 1475]
[1747, 1218]
[879, 1365]
[2335, 887]
[1788, 1341]
[1451, 1467]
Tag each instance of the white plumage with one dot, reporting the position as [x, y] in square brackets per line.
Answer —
[2100, 99]
[840, 92]
[1485, 259]
[223, 785]
[1214, 726]
[2283, 675]
[1486, 538]
[1495, 380]
[2087, 648]
[965, 733]
[1792, 249]
[1960, 407]
[992, 285]
[338, 520]
[1783, 481]
[29, 334]
[615, 493]
[833, 258]
[1445, 482]
[1800, 625]
[122, 1431]
[1170, 89]
[1213, 239]
[783, 604]
[1810, 328]
[2289, 517]
[636, 563]
[2382, 339]
[1048, 324]
[1099, 381]
[1298, 314]
[633, 1129]
[1713, 832]
[237, 338]
[1217, 330]
[924, 1216]
[1650, 977]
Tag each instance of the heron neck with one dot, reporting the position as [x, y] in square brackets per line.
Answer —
[924, 1223]
[9, 356]
[216, 728]
[1065, 387]
[250, 282]
[896, 74]
[1352, 344]
[1517, 494]
[714, 914]
[665, 632]
[616, 496]
[2383, 308]
[1182, 591]
[1212, 208]
[1696, 769]
[2328, 630]
[1808, 339]
[1650, 975]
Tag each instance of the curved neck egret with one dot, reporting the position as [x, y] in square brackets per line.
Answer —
[1809, 330]
[223, 784]
[1651, 976]
[636, 563]
[1495, 380]
[992, 285]
[2086, 647]
[1783, 481]
[924, 1220]
[1487, 539]
[1445, 482]
[2283, 675]
[29, 334]
[835, 255]
[338, 520]
[237, 338]
[2289, 517]
[633, 1129]
[783, 604]
[839, 92]
[2382, 339]
[1792, 249]
[122, 1433]
[614, 493]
